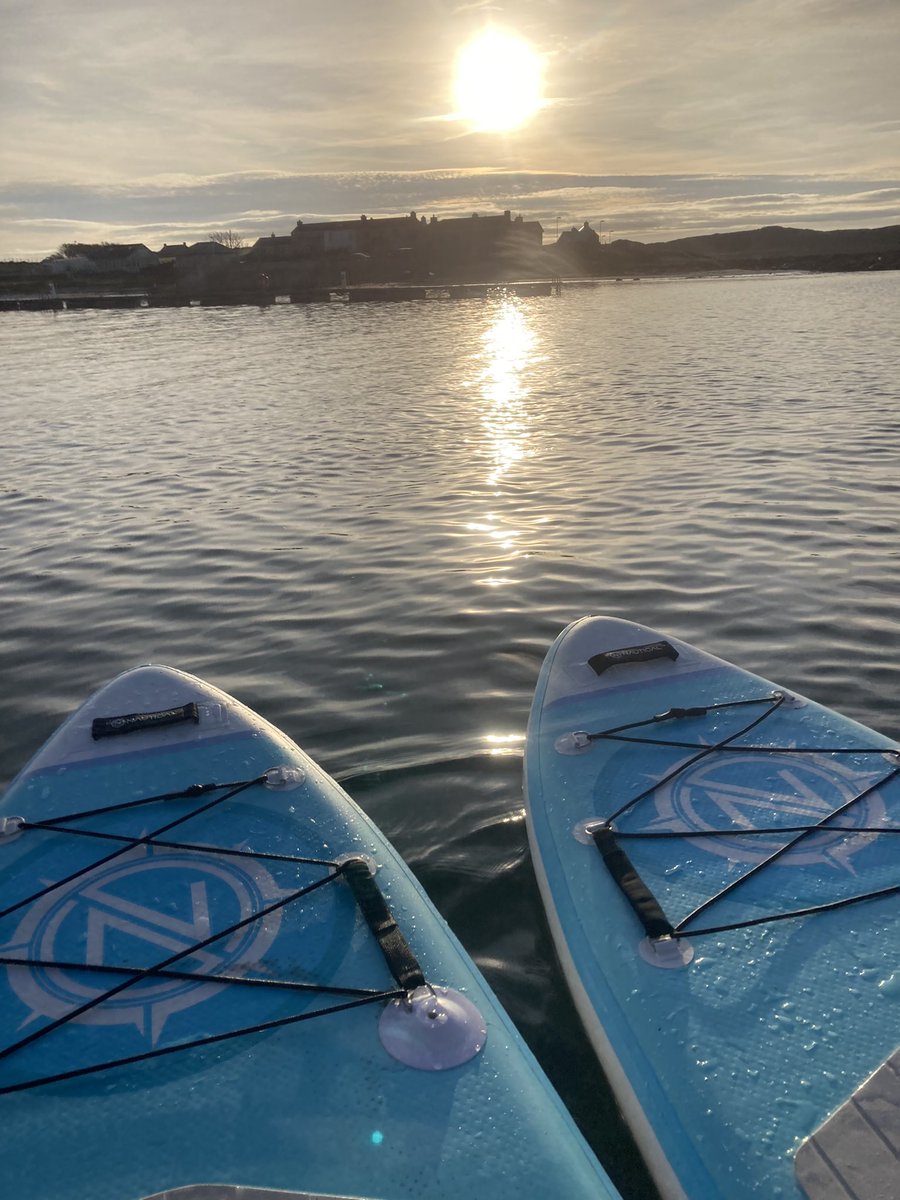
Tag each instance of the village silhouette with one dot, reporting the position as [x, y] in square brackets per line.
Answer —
[409, 257]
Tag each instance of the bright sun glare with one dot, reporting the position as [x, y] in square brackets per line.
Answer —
[498, 82]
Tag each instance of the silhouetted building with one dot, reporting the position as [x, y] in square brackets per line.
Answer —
[578, 250]
[112, 259]
[458, 244]
[182, 250]
[582, 239]
[271, 249]
[368, 235]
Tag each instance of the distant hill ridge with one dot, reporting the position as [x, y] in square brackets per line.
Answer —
[780, 239]
[772, 247]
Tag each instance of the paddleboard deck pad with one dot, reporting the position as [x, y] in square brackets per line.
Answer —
[218, 980]
[719, 863]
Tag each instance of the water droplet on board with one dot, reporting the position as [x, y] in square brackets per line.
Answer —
[890, 987]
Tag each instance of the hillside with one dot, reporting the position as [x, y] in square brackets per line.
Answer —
[773, 248]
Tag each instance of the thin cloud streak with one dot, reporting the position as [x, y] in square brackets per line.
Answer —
[35, 218]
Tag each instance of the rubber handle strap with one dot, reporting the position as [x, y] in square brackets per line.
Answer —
[102, 727]
[646, 906]
[632, 654]
[400, 959]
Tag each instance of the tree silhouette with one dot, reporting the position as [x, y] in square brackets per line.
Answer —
[227, 238]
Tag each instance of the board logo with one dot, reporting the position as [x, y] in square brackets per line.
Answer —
[788, 790]
[138, 910]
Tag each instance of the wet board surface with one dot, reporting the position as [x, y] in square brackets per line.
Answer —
[133, 1081]
[730, 1030]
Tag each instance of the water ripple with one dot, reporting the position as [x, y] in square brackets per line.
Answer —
[370, 521]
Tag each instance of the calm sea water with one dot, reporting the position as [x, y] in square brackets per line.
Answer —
[369, 522]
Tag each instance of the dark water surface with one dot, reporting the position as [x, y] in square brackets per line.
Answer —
[369, 522]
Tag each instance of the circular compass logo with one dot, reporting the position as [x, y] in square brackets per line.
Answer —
[138, 910]
[752, 791]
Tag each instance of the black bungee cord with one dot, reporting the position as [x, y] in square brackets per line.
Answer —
[645, 905]
[398, 956]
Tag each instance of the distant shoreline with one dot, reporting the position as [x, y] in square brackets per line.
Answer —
[377, 258]
[75, 300]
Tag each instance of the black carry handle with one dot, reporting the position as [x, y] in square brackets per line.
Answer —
[403, 964]
[103, 727]
[632, 654]
[646, 907]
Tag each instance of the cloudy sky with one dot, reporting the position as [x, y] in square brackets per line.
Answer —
[161, 120]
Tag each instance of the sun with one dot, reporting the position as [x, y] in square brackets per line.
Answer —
[498, 82]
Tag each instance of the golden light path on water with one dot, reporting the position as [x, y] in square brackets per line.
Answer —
[510, 347]
[508, 350]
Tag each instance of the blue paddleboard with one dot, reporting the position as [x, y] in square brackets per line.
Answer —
[719, 874]
[218, 980]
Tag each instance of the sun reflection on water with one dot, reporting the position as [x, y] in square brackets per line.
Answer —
[509, 344]
[499, 383]
[504, 744]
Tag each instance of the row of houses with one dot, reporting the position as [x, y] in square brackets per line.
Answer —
[112, 258]
[472, 236]
[407, 243]
[315, 255]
